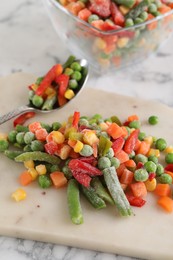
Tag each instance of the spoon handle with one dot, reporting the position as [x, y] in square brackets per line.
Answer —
[14, 113]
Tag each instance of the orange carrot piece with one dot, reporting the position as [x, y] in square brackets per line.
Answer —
[84, 14]
[115, 131]
[130, 164]
[143, 148]
[72, 143]
[163, 189]
[126, 177]
[138, 189]
[25, 178]
[166, 203]
[151, 26]
[132, 118]
[120, 169]
[58, 179]
[122, 156]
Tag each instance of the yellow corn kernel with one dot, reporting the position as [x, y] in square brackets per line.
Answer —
[69, 94]
[29, 164]
[50, 91]
[78, 146]
[19, 194]
[63, 2]
[169, 149]
[90, 137]
[122, 42]
[65, 151]
[34, 87]
[58, 137]
[151, 185]
[33, 173]
[123, 9]
[100, 43]
[41, 169]
[103, 126]
[154, 152]
[3, 136]
[149, 139]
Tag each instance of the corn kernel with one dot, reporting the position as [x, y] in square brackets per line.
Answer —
[149, 139]
[65, 151]
[63, 2]
[154, 152]
[122, 42]
[33, 173]
[78, 146]
[41, 169]
[58, 137]
[18, 195]
[169, 149]
[151, 185]
[69, 94]
[34, 87]
[29, 164]
[50, 91]
[103, 126]
[3, 136]
[123, 9]
[100, 43]
[90, 137]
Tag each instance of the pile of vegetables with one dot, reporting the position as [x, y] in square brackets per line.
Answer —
[109, 161]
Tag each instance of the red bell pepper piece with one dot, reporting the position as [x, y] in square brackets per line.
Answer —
[169, 167]
[76, 118]
[51, 147]
[134, 201]
[62, 80]
[61, 100]
[117, 16]
[131, 141]
[48, 78]
[91, 160]
[83, 167]
[117, 145]
[82, 178]
[20, 120]
[100, 7]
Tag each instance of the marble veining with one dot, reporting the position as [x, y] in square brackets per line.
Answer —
[28, 43]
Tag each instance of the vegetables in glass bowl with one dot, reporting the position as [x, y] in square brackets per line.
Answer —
[112, 35]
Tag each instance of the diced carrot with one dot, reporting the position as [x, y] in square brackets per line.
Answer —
[138, 142]
[117, 61]
[125, 132]
[115, 131]
[138, 189]
[122, 156]
[132, 118]
[143, 148]
[34, 126]
[123, 186]
[130, 164]
[75, 7]
[72, 143]
[151, 26]
[126, 177]
[163, 189]
[41, 134]
[84, 14]
[95, 149]
[164, 9]
[73, 154]
[58, 179]
[166, 203]
[25, 178]
[120, 169]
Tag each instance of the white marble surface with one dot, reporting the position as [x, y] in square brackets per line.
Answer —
[28, 43]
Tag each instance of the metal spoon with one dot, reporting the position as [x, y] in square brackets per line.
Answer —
[29, 107]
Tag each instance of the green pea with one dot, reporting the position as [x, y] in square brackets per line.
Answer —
[110, 153]
[54, 168]
[4, 144]
[76, 75]
[132, 155]
[138, 20]
[161, 144]
[135, 124]
[44, 181]
[115, 162]
[56, 126]
[150, 166]
[76, 66]
[153, 158]
[84, 122]
[104, 162]
[12, 136]
[141, 175]
[93, 17]
[152, 8]
[141, 136]
[68, 71]
[159, 169]
[143, 15]
[37, 101]
[37, 145]
[20, 138]
[73, 84]
[47, 127]
[140, 158]
[165, 178]
[153, 120]
[29, 137]
[169, 158]
[129, 22]
[87, 150]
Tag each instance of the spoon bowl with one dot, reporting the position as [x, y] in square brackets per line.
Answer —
[28, 108]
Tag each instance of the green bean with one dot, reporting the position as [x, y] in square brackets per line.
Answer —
[47, 127]
[136, 11]
[12, 136]
[117, 192]
[93, 198]
[54, 168]
[49, 103]
[127, 3]
[12, 154]
[4, 144]
[69, 61]
[39, 80]
[101, 190]
[67, 172]
[37, 156]
[73, 199]
[21, 128]
[56, 126]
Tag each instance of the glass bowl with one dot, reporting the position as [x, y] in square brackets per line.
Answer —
[109, 50]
